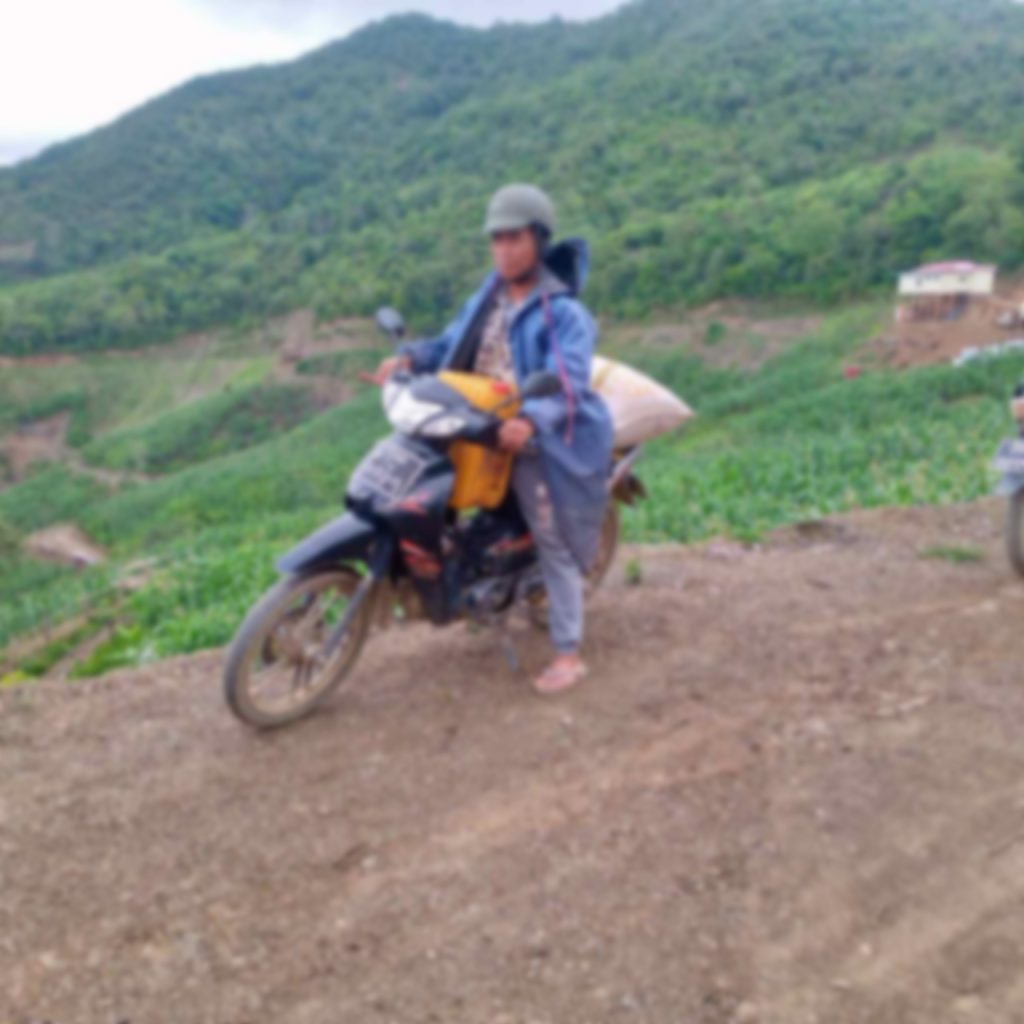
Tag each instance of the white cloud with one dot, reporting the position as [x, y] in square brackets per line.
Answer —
[67, 66]
[284, 13]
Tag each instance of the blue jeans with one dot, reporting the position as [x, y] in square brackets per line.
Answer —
[562, 576]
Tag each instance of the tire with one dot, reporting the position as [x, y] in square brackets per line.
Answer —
[1015, 532]
[287, 629]
[608, 548]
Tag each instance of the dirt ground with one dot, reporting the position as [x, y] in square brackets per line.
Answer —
[906, 346]
[64, 543]
[915, 343]
[791, 792]
[42, 441]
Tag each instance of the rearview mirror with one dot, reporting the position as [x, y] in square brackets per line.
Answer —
[543, 384]
[391, 323]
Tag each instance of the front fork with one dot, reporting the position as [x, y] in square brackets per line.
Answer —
[379, 566]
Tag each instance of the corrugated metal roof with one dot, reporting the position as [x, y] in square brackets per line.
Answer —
[952, 267]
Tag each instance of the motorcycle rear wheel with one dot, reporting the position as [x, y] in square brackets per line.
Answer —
[1015, 532]
[608, 548]
[278, 667]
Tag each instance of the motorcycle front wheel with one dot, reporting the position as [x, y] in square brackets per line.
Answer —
[297, 645]
[1015, 532]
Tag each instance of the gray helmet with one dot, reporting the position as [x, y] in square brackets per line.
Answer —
[520, 206]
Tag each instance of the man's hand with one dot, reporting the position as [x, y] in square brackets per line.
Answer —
[516, 434]
[389, 368]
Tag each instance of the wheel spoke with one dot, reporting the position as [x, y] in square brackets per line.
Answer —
[302, 676]
[285, 672]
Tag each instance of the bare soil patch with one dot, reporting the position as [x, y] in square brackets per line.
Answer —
[926, 342]
[790, 792]
[44, 440]
[66, 544]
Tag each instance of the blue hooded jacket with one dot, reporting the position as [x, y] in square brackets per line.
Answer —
[551, 331]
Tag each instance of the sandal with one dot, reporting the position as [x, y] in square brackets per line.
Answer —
[559, 677]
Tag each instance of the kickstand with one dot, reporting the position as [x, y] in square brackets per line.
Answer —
[500, 623]
[504, 624]
[508, 645]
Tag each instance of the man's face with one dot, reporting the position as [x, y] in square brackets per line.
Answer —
[514, 253]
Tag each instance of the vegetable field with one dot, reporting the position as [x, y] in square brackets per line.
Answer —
[243, 472]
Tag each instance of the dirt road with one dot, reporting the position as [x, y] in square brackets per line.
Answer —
[792, 792]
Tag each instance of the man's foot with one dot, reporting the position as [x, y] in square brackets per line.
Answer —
[561, 675]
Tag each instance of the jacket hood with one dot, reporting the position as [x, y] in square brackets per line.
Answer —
[569, 261]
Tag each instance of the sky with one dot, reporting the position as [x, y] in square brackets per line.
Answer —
[67, 66]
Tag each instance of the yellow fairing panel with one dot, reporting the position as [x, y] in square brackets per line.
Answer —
[481, 474]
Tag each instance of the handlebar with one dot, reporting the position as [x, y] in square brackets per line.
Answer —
[400, 375]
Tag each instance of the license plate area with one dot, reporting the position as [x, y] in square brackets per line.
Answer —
[388, 473]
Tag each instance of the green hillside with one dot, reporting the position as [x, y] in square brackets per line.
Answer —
[801, 150]
[779, 440]
[748, 147]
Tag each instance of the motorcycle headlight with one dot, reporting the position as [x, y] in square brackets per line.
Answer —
[407, 413]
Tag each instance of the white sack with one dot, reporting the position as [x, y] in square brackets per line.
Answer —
[641, 408]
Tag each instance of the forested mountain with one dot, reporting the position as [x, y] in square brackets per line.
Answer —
[754, 147]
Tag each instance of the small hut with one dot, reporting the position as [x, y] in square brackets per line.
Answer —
[946, 291]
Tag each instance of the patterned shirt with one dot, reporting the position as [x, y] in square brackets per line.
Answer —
[494, 355]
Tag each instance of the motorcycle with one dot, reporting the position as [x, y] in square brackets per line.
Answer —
[1009, 462]
[431, 532]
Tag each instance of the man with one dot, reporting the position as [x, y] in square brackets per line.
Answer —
[524, 318]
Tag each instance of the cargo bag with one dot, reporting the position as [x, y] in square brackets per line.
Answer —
[641, 408]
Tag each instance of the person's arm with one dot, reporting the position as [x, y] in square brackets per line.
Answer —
[570, 355]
